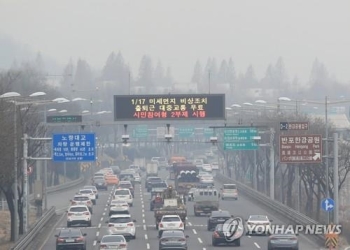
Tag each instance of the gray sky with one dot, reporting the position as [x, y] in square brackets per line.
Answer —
[179, 32]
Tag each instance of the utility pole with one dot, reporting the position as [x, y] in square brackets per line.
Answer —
[255, 170]
[25, 184]
[336, 180]
[327, 152]
[209, 81]
[297, 178]
[272, 164]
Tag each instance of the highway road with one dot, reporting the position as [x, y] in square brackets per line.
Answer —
[199, 237]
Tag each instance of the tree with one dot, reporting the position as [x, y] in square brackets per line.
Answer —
[159, 75]
[83, 78]
[249, 77]
[223, 72]
[146, 73]
[197, 74]
[281, 76]
[67, 78]
[169, 81]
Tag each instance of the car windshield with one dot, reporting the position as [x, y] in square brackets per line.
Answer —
[258, 218]
[70, 233]
[81, 198]
[170, 219]
[78, 209]
[120, 220]
[159, 185]
[121, 192]
[112, 238]
[229, 186]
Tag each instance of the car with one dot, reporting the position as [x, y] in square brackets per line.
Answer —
[82, 200]
[128, 185]
[122, 224]
[258, 224]
[206, 179]
[124, 194]
[127, 175]
[137, 178]
[150, 180]
[283, 241]
[118, 206]
[107, 170]
[215, 166]
[220, 237]
[78, 214]
[117, 242]
[135, 168]
[229, 191]
[170, 222]
[112, 179]
[89, 193]
[100, 183]
[174, 239]
[70, 238]
[116, 170]
[99, 174]
[207, 168]
[158, 185]
[162, 162]
[93, 189]
[190, 195]
[155, 159]
[217, 217]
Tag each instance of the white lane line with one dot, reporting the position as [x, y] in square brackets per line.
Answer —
[104, 214]
[194, 231]
[97, 233]
[105, 209]
[249, 236]
[99, 225]
[95, 242]
[143, 221]
[143, 210]
[143, 215]
[144, 227]
[256, 244]
[146, 237]
[204, 248]
[148, 246]
[101, 219]
[200, 241]
[189, 223]
[143, 206]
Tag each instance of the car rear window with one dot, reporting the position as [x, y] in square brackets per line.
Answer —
[112, 238]
[230, 186]
[122, 192]
[155, 179]
[86, 191]
[170, 219]
[78, 209]
[70, 233]
[220, 214]
[81, 198]
[120, 220]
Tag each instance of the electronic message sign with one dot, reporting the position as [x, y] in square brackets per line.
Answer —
[169, 107]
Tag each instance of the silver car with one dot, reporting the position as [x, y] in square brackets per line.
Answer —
[173, 240]
[283, 241]
[118, 206]
[122, 224]
[113, 242]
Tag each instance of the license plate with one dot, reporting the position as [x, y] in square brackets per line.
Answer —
[221, 220]
[69, 241]
[206, 209]
[120, 228]
[171, 224]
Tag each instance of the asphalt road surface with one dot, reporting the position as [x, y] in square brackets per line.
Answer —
[146, 234]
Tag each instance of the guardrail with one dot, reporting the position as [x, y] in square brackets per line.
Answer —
[61, 187]
[26, 240]
[294, 216]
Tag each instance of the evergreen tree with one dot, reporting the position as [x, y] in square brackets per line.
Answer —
[146, 73]
[197, 74]
[250, 78]
[159, 75]
[223, 72]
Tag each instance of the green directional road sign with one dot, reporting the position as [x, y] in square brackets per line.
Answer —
[140, 131]
[240, 132]
[208, 132]
[186, 132]
[240, 146]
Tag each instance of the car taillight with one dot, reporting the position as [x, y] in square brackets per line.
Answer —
[103, 246]
[164, 240]
[130, 224]
[267, 223]
[129, 196]
[87, 213]
[74, 203]
[111, 225]
[181, 224]
[216, 235]
[160, 225]
[125, 205]
[122, 245]
[80, 239]
[182, 239]
[60, 240]
[89, 202]
[70, 214]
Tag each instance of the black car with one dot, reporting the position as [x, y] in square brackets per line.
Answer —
[157, 185]
[283, 241]
[71, 238]
[220, 237]
[150, 180]
[217, 217]
[100, 183]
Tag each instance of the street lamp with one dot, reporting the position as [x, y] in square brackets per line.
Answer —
[14, 96]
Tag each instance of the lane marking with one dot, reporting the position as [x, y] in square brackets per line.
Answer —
[194, 231]
[97, 233]
[200, 241]
[101, 219]
[105, 209]
[143, 215]
[146, 236]
[256, 244]
[99, 225]
[148, 246]
[104, 214]
[189, 223]
[144, 227]
[143, 210]
[204, 248]
[143, 221]
[143, 206]
[95, 242]
[249, 236]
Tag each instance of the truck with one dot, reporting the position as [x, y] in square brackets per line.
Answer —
[151, 169]
[177, 167]
[186, 177]
[172, 205]
[141, 162]
[174, 159]
[206, 200]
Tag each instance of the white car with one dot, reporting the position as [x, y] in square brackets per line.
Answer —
[170, 222]
[207, 167]
[135, 168]
[258, 224]
[122, 224]
[93, 189]
[206, 179]
[137, 178]
[123, 194]
[89, 193]
[82, 200]
[78, 214]
[215, 166]
[229, 191]
[117, 242]
[118, 206]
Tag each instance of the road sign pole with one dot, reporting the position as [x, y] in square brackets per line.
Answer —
[297, 178]
[25, 184]
[272, 164]
[255, 181]
[336, 180]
